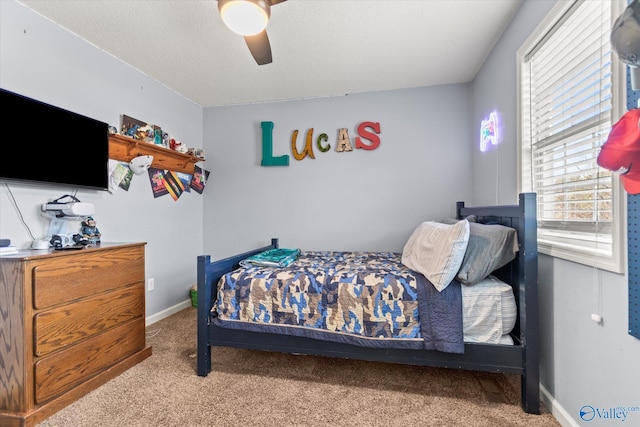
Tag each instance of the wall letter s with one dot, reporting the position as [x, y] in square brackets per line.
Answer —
[373, 137]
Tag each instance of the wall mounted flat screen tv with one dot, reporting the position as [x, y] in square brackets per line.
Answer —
[41, 143]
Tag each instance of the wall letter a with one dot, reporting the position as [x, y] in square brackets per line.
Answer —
[267, 148]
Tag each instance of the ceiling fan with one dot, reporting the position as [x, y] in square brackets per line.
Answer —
[249, 18]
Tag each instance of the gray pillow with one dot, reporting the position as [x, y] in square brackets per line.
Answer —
[470, 218]
[490, 247]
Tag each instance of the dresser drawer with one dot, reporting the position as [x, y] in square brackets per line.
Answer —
[65, 325]
[68, 278]
[61, 371]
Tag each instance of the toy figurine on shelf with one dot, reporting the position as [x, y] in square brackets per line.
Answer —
[90, 231]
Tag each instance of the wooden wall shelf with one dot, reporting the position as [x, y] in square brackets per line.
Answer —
[124, 148]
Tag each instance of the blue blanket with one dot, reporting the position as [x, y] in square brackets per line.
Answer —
[368, 299]
[279, 257]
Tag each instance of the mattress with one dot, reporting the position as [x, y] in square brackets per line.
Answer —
[364, 298]
[489, 312]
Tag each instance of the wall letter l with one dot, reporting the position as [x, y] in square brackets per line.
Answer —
[267, 148]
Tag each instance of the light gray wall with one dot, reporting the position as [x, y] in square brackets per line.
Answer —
[41, 60]
[582, 363]
[428, 159]
[359, 200]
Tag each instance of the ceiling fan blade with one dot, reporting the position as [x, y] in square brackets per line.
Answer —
[275, 2]
[259, 47]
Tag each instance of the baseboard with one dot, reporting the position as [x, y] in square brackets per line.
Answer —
[556, 409]
[167, 312]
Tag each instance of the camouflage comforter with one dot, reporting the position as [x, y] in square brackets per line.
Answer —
[364, 298]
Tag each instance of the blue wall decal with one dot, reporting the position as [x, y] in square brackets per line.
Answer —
[633, 238]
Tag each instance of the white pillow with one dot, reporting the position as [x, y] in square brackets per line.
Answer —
[489, 311]
[436, 250]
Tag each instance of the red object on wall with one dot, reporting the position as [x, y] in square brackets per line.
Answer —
[621, 151]
[364, 133]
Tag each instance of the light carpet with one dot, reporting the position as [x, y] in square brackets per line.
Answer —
[253, 388]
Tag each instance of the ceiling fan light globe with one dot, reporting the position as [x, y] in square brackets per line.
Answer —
[245, 17]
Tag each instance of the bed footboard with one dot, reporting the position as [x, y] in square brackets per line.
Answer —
[209, 273]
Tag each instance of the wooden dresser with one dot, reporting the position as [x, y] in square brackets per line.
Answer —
[69, 321]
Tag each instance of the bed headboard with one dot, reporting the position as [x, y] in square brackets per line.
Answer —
[522, 272]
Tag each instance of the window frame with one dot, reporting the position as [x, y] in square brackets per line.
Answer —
[571, 246]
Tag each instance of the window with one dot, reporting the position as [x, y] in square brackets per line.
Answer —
[571, 92]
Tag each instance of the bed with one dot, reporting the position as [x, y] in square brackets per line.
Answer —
[222, 283]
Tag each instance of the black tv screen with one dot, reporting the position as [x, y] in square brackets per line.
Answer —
[41, 143]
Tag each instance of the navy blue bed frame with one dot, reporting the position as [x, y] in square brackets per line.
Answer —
[520, 358]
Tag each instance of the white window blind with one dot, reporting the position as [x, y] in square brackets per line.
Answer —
[568, 101]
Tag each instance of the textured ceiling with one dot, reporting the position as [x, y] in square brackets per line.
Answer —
[320, 47]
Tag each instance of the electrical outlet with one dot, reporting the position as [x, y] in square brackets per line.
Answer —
[150, 284]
